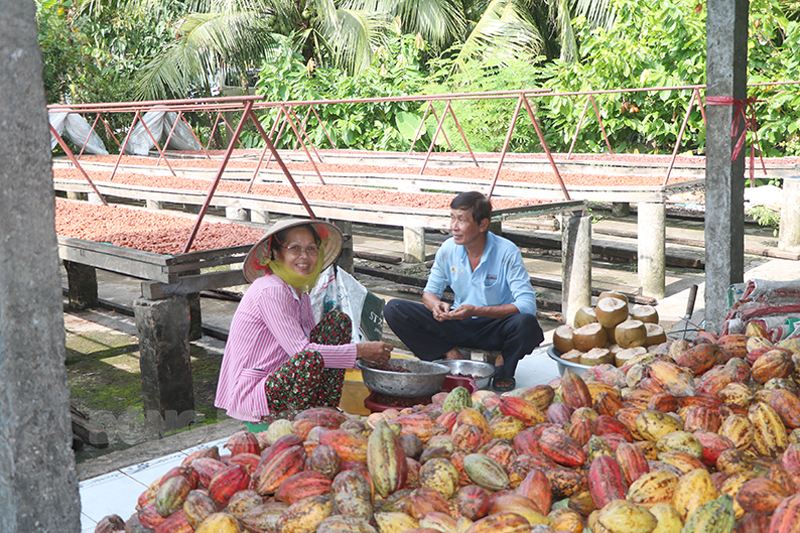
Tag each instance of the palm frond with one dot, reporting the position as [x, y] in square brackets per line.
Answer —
[503, 33]
[353, 36]
[206, 42]
[599, 13]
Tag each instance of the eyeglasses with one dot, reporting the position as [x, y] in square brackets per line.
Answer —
[298, 250]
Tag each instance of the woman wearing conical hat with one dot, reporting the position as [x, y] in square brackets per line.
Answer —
[277, 360]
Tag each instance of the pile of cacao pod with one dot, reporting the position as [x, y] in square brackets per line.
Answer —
[697, 437]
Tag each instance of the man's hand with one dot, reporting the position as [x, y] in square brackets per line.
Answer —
[374, 352]
[440, 311]
[461, 312]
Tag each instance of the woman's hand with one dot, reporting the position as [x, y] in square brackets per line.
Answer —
[375, 352]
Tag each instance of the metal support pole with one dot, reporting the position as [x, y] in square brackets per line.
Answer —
[544, 145]
[322, 125]
[305, 149]
[284, 168]
[421, 125]
[578, 129]
[505, 145]
[680, 138]
[247, 107]
[600, 123]
[71, 157]
[463, 137]
[124, 145]
[433, 141]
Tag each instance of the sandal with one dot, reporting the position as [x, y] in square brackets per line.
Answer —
[503, 383]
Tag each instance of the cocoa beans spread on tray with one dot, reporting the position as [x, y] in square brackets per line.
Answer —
[687, 447]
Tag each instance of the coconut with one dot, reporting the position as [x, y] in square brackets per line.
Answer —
[655, 334]
[562, 339]
[597, 356]
[613, 294]
[645, 313]
[585, 315]
[573, 356]
[623, 357]
[611, 311]
[631, 333]
[589, 336]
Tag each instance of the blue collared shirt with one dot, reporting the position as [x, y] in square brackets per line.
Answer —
[500, 278]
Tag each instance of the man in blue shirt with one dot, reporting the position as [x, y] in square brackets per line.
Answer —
[494, 307]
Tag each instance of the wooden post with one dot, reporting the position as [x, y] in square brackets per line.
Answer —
[346, 259]
[82, 282]
[38, 481]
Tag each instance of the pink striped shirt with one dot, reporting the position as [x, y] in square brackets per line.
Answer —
[271, 324]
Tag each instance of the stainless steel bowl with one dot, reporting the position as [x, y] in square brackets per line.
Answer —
[425, 379]
[563, 365]
[482, 372]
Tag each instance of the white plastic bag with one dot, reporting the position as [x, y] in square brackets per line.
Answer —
[337, 289]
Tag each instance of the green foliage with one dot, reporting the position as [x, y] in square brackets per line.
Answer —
[91, 54]
[395, 71]
[651, 44]
[662, 44]
[485, 122]
[766, 216]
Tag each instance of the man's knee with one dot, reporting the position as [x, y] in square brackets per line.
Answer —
[529, 328]
[391, 310]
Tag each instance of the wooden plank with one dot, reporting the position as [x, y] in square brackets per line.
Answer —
[119, 251]
[611, 250]
[380, 258]
[699, 243]
[192, 284]
[113, 263]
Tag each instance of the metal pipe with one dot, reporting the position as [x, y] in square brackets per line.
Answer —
[248, 105]
[283, 166]
[544, 145]
[600, 122]
[458, 126]
[124, 145]
[71, 157]
[578, 129]
[433, 142]
[333, 144]
[444, 133]
[505, 145]
[155, 142]
[169, 137]
[419, 129]
[297, 133]
[89, 136]
[679, 139]
[304, 134]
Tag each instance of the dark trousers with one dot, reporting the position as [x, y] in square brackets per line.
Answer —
[514, 336]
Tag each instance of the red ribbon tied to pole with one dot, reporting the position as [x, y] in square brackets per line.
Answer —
[740, 123]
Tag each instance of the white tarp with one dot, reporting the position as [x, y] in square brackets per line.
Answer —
[75, 127]
[160, 123]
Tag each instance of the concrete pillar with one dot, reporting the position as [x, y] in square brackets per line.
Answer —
[726, 75]
[257, 215]
[154, 204]
[237, 213]
[82, 282]
[75, 195]
[652, 220]
[93, 198]
[191, 208]
[414, 242]
[346, 259]
[164, 355]
[620, 209]
[576, 263]
[496, 226]
[789, 232]
[195, 317]
[38, 482]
